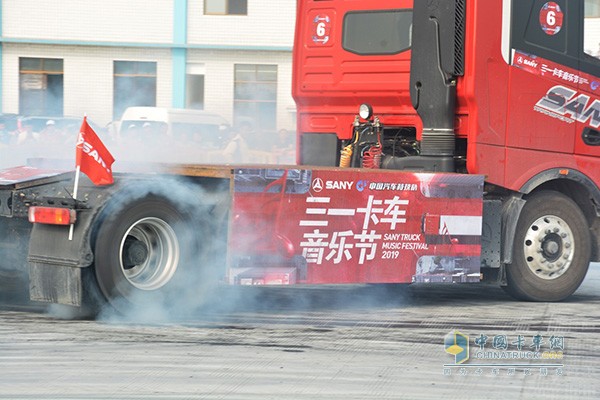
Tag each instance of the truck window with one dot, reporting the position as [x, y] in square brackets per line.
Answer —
[591, 26]
[547, 29]
[590, 58]
[547, 25]
[377, 32]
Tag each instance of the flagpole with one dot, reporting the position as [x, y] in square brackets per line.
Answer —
[75, 187]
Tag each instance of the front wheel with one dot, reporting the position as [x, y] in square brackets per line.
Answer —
[551, 249]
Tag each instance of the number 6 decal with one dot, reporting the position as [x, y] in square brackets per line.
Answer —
[321, 28]
[551, 18]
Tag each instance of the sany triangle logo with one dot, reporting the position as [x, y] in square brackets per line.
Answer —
[92, 157]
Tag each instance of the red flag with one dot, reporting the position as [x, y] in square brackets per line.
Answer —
[92, 157]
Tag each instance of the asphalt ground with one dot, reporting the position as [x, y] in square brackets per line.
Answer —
[349, 342]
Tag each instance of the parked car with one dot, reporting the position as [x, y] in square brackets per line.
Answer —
[180, 125]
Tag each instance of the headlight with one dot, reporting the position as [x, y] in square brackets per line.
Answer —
[365, 111]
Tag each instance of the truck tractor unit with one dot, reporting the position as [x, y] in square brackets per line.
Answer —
[445, 141]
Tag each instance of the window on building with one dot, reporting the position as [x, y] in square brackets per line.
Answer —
[591, 40]
[255, 96]
[194, 90]
[41, 86]
[226, 7]
[134, 85]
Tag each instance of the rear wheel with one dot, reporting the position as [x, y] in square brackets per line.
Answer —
[551, 249]
[144, 253]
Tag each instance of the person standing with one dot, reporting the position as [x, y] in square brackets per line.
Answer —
[25, 133]
[236, 150]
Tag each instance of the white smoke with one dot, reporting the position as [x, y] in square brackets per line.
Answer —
[197, 291]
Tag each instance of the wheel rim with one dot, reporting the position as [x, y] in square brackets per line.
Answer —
[149, 253]
[549, 247]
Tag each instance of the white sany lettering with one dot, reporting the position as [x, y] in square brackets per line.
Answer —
[562, 101]
[90, 151]
[339, 185]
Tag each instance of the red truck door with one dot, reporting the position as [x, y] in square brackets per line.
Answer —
[587, 139]
[545, 61]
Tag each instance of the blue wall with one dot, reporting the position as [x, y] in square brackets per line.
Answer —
[179, 52]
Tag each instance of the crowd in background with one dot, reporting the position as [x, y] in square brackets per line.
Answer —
[29, 137]
[243, 141]
[24, 131]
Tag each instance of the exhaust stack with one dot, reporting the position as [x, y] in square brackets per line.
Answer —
[437, 59]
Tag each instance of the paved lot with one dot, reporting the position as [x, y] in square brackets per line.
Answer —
[320, 343]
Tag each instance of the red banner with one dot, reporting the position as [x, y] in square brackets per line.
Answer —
[93, 157]
[354, 226]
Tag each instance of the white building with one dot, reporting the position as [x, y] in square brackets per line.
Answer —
[70, 57]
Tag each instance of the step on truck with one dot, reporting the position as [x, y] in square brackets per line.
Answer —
[446, 141]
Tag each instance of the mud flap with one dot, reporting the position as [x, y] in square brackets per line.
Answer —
[55, 262]
[55, 284]
[491, 246]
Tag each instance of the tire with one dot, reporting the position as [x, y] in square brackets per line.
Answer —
[144, 253]
[551, 249]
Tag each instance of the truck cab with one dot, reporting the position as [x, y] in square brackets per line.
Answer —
[348, 53]
[506, 89]
[521, 71]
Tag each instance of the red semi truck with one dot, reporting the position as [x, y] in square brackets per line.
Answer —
[441, 141]
[504, 89]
